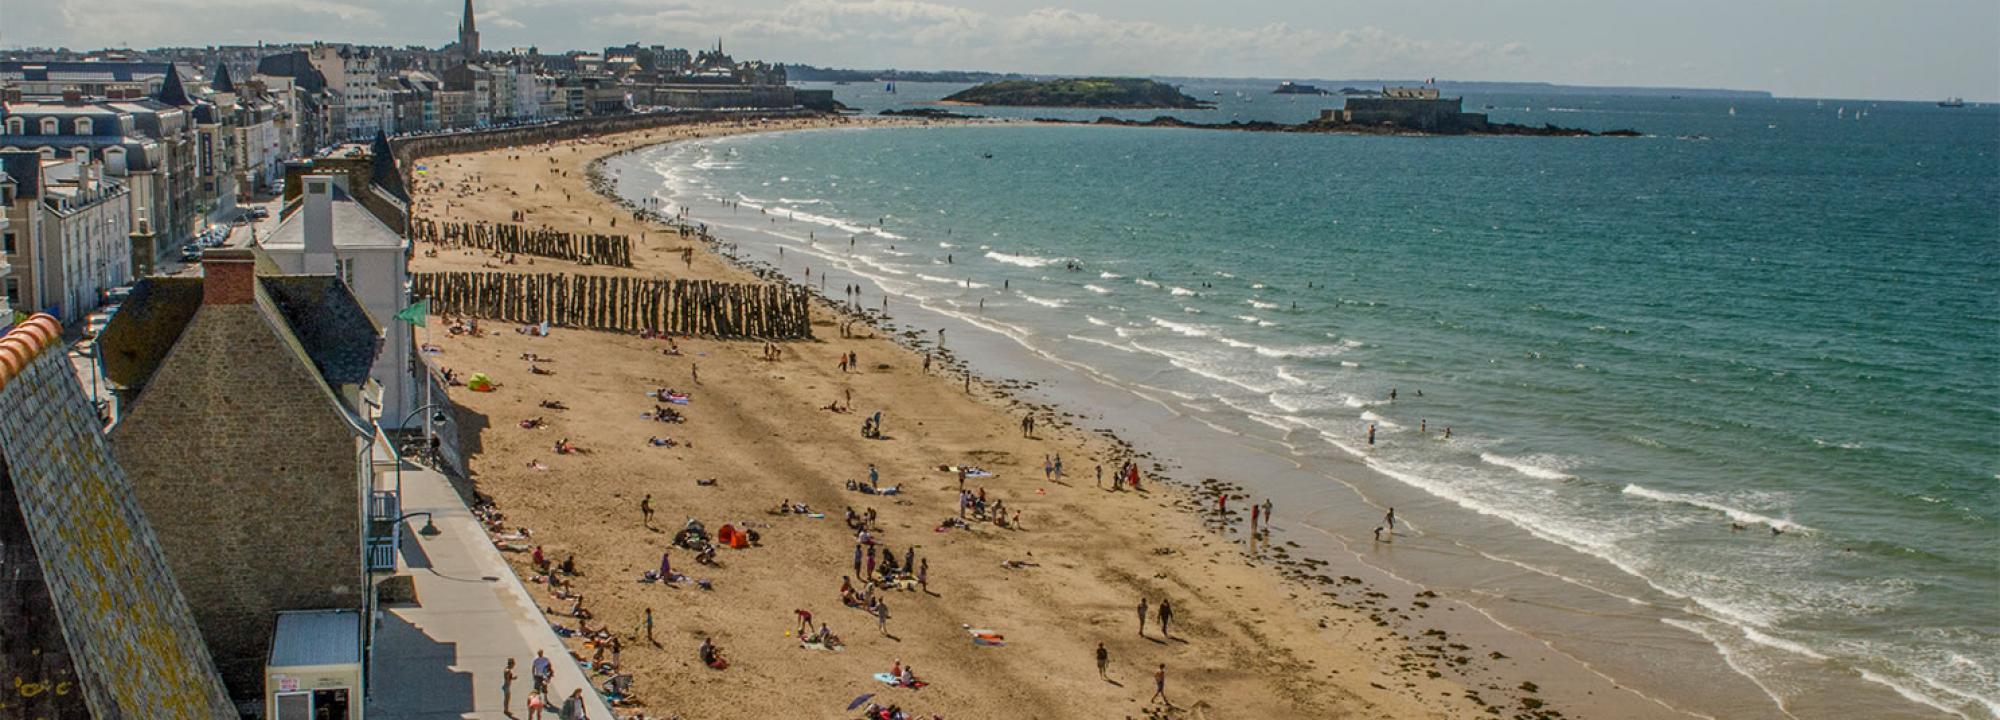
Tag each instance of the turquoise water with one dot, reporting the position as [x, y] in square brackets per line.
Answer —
[1779, 318]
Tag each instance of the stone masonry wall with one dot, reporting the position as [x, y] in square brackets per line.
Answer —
[237, 451]
[131, 639]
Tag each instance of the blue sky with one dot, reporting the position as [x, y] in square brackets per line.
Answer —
[1912, 49]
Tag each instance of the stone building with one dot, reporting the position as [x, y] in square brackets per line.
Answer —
[96, 625]
[1416, 108]
[247, 439]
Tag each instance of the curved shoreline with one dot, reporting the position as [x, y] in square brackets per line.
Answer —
[1600, 690]
[1720, 652]
[1093, 551]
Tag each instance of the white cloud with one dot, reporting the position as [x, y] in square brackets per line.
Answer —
[918, 33]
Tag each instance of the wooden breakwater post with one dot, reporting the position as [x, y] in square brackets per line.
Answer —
[623, 304]
[508, 238]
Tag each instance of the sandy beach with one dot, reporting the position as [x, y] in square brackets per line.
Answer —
[1254, 635]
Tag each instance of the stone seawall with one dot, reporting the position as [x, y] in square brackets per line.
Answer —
[409, 150]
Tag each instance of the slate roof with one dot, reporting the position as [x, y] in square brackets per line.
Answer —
[171, 91]
[25, 167]
[219, 80]
[295, 65]
[320, 313]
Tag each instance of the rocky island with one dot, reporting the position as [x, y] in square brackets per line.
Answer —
[1393, 111]
[1118, 93]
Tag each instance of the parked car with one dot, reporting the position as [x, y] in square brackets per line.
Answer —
[117, 295]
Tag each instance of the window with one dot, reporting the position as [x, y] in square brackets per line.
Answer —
[7, 244]
[16, 126]
[346, 271]
[50, 126]
[13, 292]
[80, 155]
[83, 126]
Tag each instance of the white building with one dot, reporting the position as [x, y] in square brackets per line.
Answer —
[363, 106]
[86, 235]
[332, 234]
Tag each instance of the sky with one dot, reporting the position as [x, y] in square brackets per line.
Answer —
[1898, 49]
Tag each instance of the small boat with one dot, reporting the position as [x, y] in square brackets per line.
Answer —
[1952, 102]
[1732, 111]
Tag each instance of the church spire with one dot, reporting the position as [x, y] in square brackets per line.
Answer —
[468, 35]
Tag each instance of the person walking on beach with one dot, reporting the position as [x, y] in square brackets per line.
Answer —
[507, 689]
[1267, 512]
[1371, 433]
[572, 708]
[646, 509]
[857, 557]
[1160, 686]
[648, 625]
[666, 568]
[1389, 520]
[1103, 661]
[1142, 617]
[541, 670]
[924, 576]
[882, 616]
[1166, 616]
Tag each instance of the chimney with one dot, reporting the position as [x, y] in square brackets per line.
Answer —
[317, 214]
[10, 94]
[229, 276]
[72, 95]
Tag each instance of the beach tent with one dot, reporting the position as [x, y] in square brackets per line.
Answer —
[732, 537]
[479, 383]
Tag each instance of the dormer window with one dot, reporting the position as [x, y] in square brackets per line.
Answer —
[50, 126]
[16, 126]
[84, 126]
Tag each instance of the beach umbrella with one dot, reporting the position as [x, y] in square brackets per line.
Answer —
[858, 701]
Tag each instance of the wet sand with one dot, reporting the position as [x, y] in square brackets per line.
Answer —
[1270, 635]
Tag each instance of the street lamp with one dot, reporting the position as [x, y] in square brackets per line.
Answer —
[437, 420]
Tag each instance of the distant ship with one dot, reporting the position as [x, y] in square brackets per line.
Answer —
[889, 88]
[1952, 102]
[1291, 88]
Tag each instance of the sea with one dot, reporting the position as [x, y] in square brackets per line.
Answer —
[1714, 411]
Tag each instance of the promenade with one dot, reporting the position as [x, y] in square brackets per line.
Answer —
[441, 658]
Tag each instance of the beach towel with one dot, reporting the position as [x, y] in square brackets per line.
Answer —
[986, 637]
[893, 681]
[739, 541]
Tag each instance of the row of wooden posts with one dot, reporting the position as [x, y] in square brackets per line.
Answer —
[624, 304]
[614, 250]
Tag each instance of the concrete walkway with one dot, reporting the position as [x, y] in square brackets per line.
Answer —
[442, 659]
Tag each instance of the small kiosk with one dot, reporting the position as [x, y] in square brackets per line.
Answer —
[314, 671]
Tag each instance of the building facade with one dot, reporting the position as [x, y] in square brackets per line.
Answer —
[86, 238]
[267, 510]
